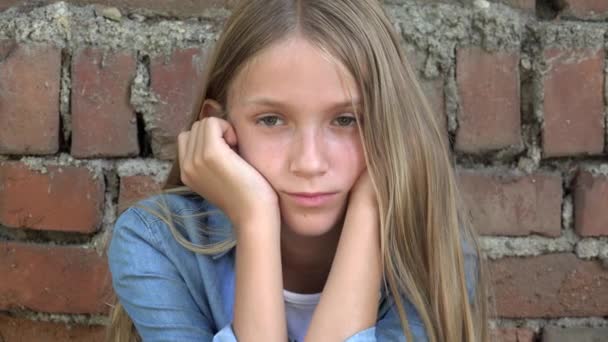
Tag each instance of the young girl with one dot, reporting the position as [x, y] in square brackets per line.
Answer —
[313, 198]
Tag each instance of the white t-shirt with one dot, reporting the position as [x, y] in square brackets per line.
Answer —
[299, 309]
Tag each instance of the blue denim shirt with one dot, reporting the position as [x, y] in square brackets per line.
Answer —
[173, 294]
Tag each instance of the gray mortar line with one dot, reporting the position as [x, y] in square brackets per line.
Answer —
[452, 100]
[65, 96]
[69, 319]
[100, 241]
[571, 35]
[72, 27]
[596, 168]
[593, 247]
[143, 100]
[531, 114]
[606, 93]
[40, 163]
[159, 170]
[498, 247]
[537, 324]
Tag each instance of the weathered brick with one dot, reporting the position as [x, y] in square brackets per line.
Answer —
[506, 204]
[65, 199]
[591, 204]
[177, 82]
[512, 335]
[103, 121]
[28, 72]
[574, 103]
[134, 188]
[58, 279]
[22, 330]
[586, 9]
[433, 90]
[488, 86]
[435, 94]
[578, 334]
[550, 285]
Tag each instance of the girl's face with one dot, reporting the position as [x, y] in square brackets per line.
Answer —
[292, 112]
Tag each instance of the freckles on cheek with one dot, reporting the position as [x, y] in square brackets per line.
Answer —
[261, 154]
[351, 153]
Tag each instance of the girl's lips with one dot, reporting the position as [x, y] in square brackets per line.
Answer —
[312, 199]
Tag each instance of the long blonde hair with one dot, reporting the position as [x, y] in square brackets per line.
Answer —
[424, 227]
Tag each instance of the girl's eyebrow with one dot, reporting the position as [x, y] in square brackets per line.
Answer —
[266, 101]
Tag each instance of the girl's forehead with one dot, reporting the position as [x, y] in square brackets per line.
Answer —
[294, 70]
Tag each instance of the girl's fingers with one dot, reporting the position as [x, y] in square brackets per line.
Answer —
[230, 136]
[218, 130]
[182, 141]
[192, 139]
[197, 140]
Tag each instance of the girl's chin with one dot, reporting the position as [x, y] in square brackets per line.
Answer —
[310, 225]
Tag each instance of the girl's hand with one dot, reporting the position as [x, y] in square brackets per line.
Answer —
[211, 168]
[340, 313]
[362, 194]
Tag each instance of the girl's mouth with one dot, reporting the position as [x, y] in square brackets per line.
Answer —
[312, 199]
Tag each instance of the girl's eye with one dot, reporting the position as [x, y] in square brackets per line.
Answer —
[270, 120]
[346, 121]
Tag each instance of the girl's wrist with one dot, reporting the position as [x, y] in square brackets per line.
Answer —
[266, 224]
[363, 211]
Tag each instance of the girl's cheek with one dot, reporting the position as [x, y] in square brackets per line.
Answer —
[262, 153]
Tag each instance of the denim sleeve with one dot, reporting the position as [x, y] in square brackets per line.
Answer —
[150, 288]
[388, 328]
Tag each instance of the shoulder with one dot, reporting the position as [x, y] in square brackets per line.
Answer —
[388, 326]
[156, 208]
[157, 219]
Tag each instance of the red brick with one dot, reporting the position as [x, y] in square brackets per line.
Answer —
[579, 334]
[586, 9]
[574, 103]
[29, 72]
[65, 199]
[488, 86]
[512, 335]
[549, 286]
[505, 204]
[177, 82]
[103, 121]
[58, 279]
[134, 188]
[591, 204]
[22, 330]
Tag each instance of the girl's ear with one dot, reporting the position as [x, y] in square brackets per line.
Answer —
[210, 108]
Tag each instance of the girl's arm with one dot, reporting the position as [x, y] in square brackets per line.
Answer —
[259, 311]
[349, 302]
[210, 167]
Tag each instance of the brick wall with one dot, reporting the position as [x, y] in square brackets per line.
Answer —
[92, 97]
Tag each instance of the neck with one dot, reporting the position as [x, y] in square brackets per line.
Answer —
[306, 261]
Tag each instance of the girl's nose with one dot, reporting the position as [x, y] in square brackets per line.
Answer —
[308, 154]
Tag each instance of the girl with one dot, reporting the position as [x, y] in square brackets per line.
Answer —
[313, 198]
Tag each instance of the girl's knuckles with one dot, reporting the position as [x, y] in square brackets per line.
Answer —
[208, 157]
[187, 169]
